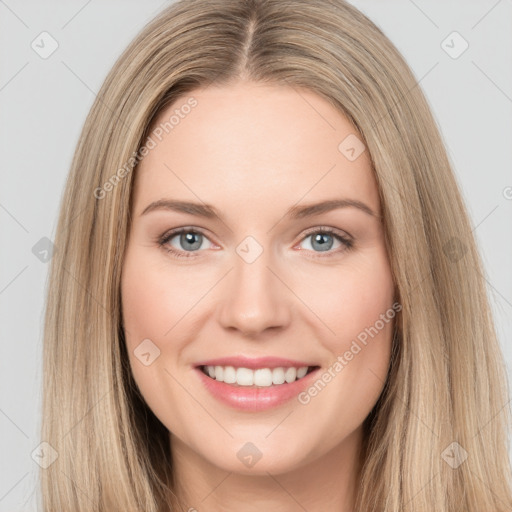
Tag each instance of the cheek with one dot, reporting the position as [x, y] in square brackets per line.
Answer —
[349, 298]
[150, 310]
[147, 308]
[151, 304]
[367, 295]
[356, 303]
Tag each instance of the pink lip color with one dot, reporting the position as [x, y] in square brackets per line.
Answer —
[255, 398]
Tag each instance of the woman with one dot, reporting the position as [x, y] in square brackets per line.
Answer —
[326, 341]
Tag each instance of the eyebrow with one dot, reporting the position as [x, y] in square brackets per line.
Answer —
[295, 212]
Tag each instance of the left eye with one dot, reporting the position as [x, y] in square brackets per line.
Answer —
[323, 240]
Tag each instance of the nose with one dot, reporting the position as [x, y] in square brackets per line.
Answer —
[255, 297]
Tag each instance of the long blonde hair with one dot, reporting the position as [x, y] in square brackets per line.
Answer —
[447, 380]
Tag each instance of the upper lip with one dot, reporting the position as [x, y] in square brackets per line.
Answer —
[254, 362]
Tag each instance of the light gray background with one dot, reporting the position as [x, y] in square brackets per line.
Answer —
[44, 102]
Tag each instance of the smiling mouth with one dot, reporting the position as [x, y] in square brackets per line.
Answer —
[261, 377]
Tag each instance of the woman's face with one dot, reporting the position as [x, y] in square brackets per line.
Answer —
[257, 278]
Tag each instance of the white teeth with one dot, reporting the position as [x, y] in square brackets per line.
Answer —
[290, 375]
[278, 376]
[219, 373]
[262, 377]
[229, 375]
[244, 377]
[301, 372]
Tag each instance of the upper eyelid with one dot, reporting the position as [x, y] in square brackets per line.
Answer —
[167, 235]
[335, 231]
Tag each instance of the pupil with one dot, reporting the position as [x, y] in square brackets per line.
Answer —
[320, 238]
[189, 238]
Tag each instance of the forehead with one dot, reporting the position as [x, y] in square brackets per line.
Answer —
[250, 145]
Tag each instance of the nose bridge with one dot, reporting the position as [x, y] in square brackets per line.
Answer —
[255, 299]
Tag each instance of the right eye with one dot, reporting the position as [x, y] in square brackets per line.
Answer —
[188, 240]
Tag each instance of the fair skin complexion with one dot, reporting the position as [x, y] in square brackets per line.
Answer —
[253, 151]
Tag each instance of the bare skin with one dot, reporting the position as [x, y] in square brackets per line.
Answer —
[253, 151]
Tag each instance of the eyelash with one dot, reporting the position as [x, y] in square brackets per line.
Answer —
[166, 237]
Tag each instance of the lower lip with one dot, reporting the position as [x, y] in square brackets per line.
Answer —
[255, 398]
